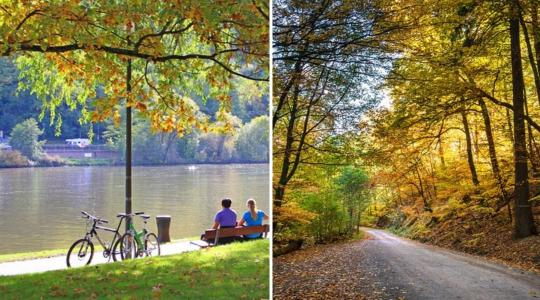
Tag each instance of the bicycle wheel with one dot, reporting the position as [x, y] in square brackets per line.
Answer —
[80, 253]
[151, 245]
[125, 248]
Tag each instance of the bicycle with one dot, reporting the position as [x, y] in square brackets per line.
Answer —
[135, 243]
[85, 247]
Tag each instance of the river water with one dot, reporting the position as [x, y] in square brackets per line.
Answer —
[40, 207]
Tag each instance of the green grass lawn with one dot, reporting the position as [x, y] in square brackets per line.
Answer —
[236, 271]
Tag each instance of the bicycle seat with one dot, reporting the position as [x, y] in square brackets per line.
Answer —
[146, 217]
[121, 215]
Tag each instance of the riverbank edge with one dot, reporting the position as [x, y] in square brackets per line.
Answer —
[20, 256]
[94, 163]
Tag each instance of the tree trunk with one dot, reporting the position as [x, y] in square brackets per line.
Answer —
[470, 160]
[531, 152]
[441, 153]
[510, 127]
[420, 188]
[493, 153]
[283, 178]
[531, 58]
[523, 218]
[285, 92]
[535, 32]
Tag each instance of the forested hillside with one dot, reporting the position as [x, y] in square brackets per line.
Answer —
[449, 153]
[247, 141]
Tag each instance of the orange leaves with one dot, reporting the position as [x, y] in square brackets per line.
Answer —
[292, 212]
[237, 16]
[96, 117]
[224, 98]
[96, 69]
[195, 14]
[141, 106]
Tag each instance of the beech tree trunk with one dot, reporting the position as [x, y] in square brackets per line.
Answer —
[470, 160]
[523, 218]
[493, 154]
[535, 32]
[283, 178]
[510, 127]
[530, 141]
[530, 55]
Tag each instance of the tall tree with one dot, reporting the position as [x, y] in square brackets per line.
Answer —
[324, 52]
[523, 219]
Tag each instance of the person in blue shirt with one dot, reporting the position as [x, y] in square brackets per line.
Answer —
[252, 217]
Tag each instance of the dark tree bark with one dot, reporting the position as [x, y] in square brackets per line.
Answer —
[284, 174]
[421, 190]
[510, 127]
[523, 218]
[535, 32]
[530, 141]
[470, 160]
[530, 55]
[284, 93]
[493, 155]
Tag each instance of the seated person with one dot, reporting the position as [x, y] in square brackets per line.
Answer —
[225, 218]
[252, 217]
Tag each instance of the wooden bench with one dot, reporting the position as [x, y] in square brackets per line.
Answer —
[211, 236]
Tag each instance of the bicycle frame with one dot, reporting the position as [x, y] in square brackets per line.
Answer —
[138, 235]
[93, 232]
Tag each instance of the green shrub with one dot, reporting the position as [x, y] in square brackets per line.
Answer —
[24, 138]
[10, 159]
[332, 221]
[51, 161]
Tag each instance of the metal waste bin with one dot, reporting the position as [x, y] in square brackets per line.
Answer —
[163, 225]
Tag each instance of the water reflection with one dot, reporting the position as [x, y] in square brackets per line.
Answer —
[39, 208]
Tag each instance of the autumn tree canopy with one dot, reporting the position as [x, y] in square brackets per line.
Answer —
[73, 51]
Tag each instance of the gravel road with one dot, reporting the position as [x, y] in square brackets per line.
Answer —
[385, 266]
[416, 271]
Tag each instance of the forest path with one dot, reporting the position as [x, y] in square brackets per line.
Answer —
[385, 266]
[427, 272]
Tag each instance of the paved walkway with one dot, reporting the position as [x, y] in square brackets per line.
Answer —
[59, 262]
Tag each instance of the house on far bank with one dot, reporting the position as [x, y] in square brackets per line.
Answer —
[81, 143]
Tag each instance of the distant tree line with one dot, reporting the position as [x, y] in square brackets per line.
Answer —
[247, 141]
[244, 143]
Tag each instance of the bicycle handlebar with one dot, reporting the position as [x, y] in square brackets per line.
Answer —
[89, 216]
[123, 215]
[120, 215]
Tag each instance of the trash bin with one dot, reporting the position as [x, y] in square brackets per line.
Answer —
[163, 225]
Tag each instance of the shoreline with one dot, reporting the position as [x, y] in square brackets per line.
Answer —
[98, 164]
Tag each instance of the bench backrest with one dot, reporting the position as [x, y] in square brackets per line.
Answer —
[210, 234]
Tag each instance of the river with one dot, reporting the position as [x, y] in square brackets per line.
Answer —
[40, 207]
